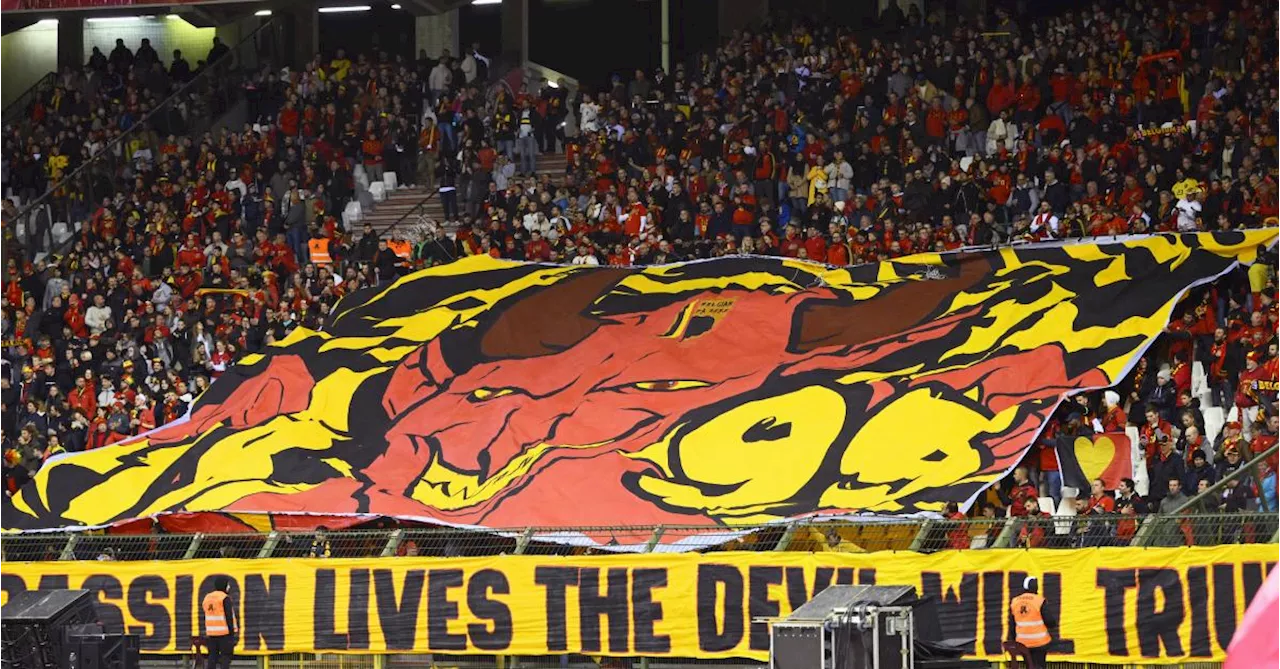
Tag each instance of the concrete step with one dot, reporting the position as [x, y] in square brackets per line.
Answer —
[401, 201]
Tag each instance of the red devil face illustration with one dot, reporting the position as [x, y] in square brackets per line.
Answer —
[711, 394]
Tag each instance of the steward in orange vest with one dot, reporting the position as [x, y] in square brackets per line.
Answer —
[319, 251]
[1030, 627]
[220, 626]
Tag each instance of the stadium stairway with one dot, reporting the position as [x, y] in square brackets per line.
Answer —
[392, 204]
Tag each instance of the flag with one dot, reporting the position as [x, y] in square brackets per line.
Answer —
[723, 393]
[1254, 643]
[1106, 455]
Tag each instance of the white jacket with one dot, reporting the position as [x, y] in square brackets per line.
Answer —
[1002, 131]
[96, 318]
[439, 78]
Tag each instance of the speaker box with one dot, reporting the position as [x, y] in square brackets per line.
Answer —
[102, 651]
[33, 624]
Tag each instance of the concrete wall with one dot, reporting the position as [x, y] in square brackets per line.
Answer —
[32, 52]
[437, 32]
[25, 56]
[166, 34]
[738, 14]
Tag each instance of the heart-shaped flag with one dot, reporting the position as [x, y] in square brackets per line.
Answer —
[1096, 456]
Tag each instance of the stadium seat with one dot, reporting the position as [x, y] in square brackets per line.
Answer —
[1046, 504]
[378, 191]
[360, 176]
[1139, 458]
[1066, 512]
[351, 214]
[61, 232]
[1200, 385]
[1214, 419]
[391, 180]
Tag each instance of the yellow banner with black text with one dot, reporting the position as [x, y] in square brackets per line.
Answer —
[1117, 605]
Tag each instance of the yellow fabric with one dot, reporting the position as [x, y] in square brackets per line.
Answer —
[674, 605]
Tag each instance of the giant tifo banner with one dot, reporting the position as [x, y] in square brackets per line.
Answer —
[1112, 605]
[717, 394]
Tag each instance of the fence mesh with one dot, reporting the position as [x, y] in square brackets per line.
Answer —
[846, 536]
[441, 661]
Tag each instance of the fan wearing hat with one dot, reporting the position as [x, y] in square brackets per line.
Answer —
[1266, 435]
[1228, 438]
[1249, 393]
[1113, 416]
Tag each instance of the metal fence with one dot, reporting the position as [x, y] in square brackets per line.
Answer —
[920, 535]
[441, 661]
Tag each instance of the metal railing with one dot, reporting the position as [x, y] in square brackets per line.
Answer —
[187, 110]
[416, 212]
[918, 535]
[19, 106]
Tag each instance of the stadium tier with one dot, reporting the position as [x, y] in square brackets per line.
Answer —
[921, 280]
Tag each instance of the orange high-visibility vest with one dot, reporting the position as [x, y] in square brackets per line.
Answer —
[320, 251]
[401, 248]
[215, 619]
[1032, 631]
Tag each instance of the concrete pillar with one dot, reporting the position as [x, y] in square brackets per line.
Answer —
[304, 33]
[71, 41]
[738, 14]
[515, 31]
[437, 32]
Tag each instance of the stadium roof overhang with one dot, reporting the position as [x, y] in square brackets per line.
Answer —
[202, 13]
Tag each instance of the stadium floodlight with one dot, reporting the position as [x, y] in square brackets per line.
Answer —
[117, 19]
[344, 9]
[396, 6]
[262, 12]
[486, 2]
[47, 22]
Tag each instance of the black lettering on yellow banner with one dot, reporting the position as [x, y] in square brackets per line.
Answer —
[496, 628]
[957, 608]
[154, 632]
[263, 622]
[647, 612]
[720, 613]
[398, 615]
[1161, 605]
[442, 610]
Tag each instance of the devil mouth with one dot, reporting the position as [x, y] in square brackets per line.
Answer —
[448, 487]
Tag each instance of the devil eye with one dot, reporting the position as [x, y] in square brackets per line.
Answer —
[482, 394]
[669, 385]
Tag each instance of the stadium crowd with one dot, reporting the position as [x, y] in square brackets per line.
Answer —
[797, 139]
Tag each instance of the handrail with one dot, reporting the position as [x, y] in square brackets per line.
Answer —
[225, 63]
[24, 98]
[386, 232]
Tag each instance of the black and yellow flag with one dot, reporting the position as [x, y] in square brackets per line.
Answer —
[717, 393]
